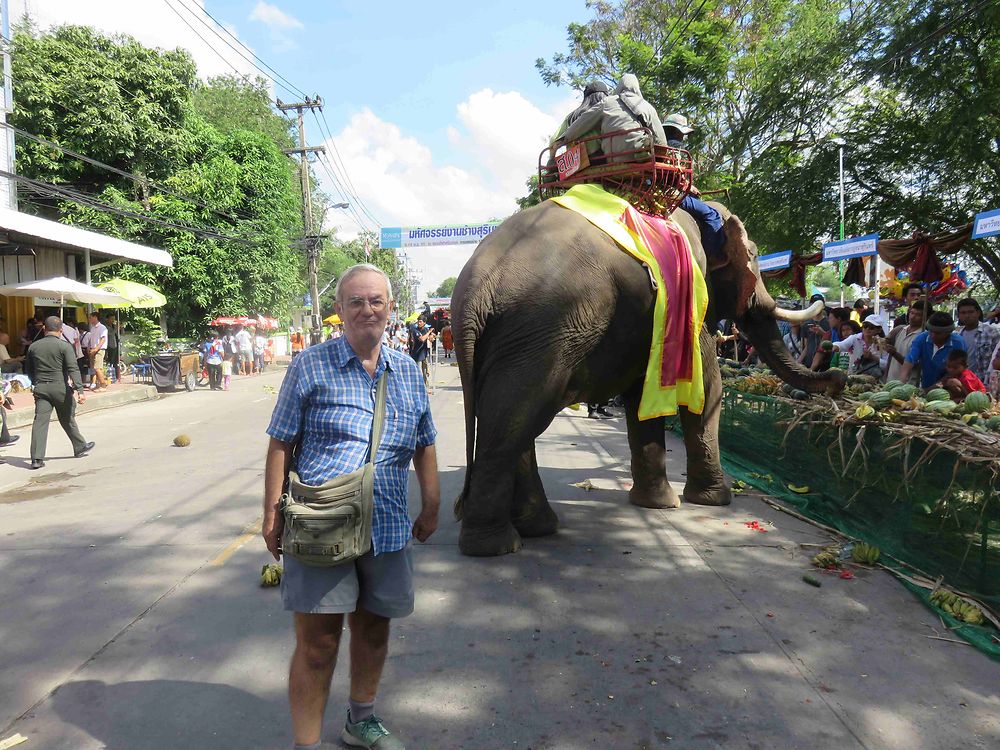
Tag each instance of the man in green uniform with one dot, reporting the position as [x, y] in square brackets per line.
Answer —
[51, 364]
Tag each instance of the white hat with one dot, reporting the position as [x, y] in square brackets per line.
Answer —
[678, 122]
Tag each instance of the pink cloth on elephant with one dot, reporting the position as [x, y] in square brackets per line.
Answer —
[669, 246]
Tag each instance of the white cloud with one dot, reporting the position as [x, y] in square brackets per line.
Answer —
[156, 24]
[496, 142]
[274, 17]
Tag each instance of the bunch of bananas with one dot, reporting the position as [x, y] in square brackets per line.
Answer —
[828, 558]
[866, 554]
[758, 382]
[957, 607]
[270, 575]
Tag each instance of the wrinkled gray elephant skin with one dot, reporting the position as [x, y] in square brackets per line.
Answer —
[549, 312]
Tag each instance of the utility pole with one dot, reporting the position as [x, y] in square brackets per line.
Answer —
[8, 188]
[311, 240]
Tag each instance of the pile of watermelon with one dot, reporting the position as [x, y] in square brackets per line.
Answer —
[977, 410]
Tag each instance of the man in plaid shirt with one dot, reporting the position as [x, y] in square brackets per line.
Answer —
[327, 406]
[980, 338]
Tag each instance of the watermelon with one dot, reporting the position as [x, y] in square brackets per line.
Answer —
[977, 402]
[940, 407]
[938, 394]
[880, 399]
[903, 392]
[994, 423]
[892, 384]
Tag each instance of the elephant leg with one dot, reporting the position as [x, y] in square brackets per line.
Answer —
[509, 417]
[532, 514]
[650, 487]
[487, 529]
[706, 484]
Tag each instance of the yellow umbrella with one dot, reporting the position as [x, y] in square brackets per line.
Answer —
[412, 318]
[333, 320]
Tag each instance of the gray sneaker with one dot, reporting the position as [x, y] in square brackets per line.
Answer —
[370, 733]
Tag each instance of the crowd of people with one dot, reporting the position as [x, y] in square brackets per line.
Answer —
[921, 345]
[235, 350]
[95, 343]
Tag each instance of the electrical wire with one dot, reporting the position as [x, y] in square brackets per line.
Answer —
[324, 127]
[121, 172]
[349, 188]
[286, 84]
[48, 188]
[351, 208]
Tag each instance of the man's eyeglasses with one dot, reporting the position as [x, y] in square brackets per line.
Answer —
[377, 304]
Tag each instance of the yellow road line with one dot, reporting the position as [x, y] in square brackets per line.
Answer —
[248, 533]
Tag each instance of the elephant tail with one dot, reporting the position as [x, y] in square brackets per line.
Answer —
[466, 336]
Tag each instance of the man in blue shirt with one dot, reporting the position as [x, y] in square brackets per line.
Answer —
[931, 348]
[421, 338]
[326, 407]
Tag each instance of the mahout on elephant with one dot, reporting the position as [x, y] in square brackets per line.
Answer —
[549, 312]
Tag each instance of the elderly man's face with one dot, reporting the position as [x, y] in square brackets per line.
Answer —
[364, 305]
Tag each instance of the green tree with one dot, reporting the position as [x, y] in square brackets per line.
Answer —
[231, 103]
[227, 179]
[446, 287]
[912, 87]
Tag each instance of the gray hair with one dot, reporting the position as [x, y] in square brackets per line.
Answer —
[53, 323]
[360, 268]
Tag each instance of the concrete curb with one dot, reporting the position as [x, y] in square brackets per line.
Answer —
[130, 395]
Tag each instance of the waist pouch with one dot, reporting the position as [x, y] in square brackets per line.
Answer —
[331, 524]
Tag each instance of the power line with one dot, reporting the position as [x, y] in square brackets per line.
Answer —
[325, 128]
[351, 208]
[290, 87]
[73, 196]
[121, 172]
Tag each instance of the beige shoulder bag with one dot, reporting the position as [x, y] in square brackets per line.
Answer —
[332, 524]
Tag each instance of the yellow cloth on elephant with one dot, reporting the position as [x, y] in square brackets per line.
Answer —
[674, 373]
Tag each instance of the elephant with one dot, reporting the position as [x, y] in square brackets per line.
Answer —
[549, 311]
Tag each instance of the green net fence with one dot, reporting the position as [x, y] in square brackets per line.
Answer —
[922, 505]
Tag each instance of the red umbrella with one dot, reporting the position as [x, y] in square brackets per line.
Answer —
[223, 321]
[243, 320]
[267, 323]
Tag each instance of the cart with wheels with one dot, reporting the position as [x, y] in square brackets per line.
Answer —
[172, 369]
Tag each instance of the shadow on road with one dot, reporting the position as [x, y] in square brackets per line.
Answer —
[159, 714]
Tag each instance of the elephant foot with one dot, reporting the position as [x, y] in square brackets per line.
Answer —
[488, 542]
[715, 495]
[541, 522]
[662, 495]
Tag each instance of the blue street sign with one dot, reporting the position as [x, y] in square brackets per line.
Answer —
[986, 224]
[852, 247]
[775, 261]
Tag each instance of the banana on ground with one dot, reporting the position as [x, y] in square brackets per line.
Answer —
[270, 575]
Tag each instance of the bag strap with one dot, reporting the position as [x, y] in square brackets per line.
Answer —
[379, 421]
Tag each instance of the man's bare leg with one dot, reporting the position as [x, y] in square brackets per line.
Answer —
[369, 647]
[317, 639]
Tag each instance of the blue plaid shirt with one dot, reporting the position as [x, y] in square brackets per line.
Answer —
[328, 401]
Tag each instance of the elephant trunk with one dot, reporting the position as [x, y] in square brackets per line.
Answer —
[762, 330]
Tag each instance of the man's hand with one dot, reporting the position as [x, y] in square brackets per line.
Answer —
[426, 523]
[273, 526]
[81, 396]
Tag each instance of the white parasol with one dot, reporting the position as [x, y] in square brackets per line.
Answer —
[63, 288]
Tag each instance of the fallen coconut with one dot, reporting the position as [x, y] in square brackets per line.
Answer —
[182, 441]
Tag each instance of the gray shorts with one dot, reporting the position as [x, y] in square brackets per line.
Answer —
[381, 584]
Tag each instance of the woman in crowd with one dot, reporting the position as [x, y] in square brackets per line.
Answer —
[863, 347]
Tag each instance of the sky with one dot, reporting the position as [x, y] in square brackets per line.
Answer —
[436, 111]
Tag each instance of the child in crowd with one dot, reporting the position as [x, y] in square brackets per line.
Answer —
[959, 380]
[227, 373]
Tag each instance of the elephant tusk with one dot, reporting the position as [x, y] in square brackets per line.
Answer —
[799, 316]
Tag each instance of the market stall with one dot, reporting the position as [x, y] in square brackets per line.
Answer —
[910, 472]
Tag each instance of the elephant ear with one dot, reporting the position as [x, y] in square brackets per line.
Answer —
[740, 255]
